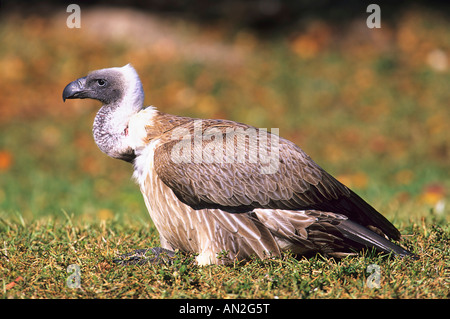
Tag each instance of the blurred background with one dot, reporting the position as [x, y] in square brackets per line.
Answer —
[371, 106]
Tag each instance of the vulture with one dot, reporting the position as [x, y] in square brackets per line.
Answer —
[224, 190]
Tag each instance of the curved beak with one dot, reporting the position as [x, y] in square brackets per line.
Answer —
[75, 89]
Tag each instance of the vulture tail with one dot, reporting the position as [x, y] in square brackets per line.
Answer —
[365, 237]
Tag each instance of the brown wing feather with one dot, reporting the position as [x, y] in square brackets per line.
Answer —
[240, 185]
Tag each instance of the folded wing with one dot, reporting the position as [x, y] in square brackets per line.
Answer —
[241, 168]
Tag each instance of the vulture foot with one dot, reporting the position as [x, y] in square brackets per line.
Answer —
[155, 255]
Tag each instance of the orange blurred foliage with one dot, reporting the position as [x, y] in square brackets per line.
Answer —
[6, 160]
[432, 194]
[356, 180]
[312, 41]
[91, 165]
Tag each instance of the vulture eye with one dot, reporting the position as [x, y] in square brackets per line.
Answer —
[101, 82]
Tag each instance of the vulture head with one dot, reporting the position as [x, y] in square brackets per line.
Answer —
[120, 90]
[109, 86]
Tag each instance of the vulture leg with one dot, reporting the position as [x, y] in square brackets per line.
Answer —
[155, 255]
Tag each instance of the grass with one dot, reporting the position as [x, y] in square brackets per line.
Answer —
[372, 115]
[40, 252]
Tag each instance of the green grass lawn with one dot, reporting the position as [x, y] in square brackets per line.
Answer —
[373, 114]
[35, 257]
